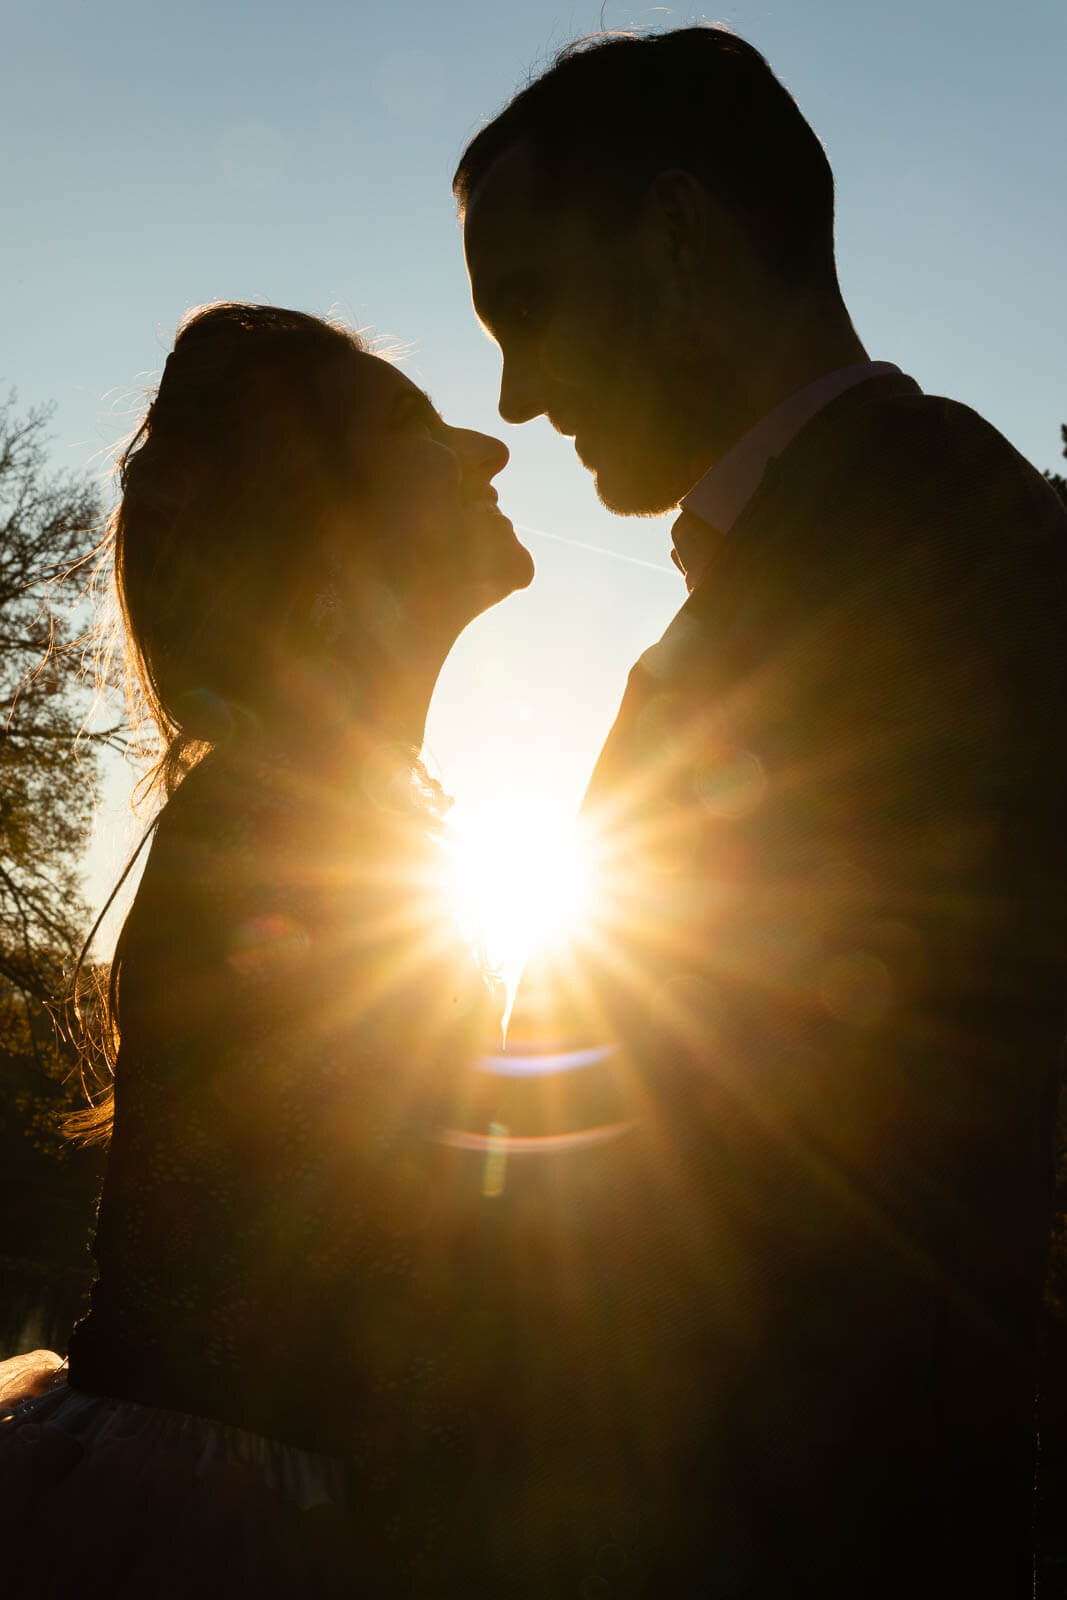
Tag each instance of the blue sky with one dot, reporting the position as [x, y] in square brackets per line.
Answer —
[158, 156]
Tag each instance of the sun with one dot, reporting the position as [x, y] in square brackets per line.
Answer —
[519, 881]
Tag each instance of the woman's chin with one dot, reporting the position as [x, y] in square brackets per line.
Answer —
[450, 599]
[488, 590]
[506, 566]
[524, 568]
[519, 568]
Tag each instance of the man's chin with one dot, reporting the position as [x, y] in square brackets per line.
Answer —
[635, 491]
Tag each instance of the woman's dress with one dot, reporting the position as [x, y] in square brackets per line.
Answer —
[273, 1329]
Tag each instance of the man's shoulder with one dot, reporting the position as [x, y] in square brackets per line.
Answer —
[905, 518]
[908, 450]
[900, 492]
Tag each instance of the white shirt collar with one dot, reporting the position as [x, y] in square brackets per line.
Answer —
[723, 492]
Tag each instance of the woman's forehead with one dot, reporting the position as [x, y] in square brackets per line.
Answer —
[382, 385]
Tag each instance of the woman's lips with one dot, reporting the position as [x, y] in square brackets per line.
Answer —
[488, 504]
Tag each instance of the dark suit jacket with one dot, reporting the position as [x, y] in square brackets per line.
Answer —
[830, 943]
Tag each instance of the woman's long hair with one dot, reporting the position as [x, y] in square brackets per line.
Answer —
[244, 455]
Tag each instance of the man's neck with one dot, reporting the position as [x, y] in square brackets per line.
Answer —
[785, 360]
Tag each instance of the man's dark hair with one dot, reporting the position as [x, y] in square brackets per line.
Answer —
[614, 110]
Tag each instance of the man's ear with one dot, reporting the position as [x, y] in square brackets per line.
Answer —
[679, 216]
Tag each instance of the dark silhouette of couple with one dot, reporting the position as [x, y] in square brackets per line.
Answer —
[763, 1322]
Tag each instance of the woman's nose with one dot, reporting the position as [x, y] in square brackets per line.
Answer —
[483, 453]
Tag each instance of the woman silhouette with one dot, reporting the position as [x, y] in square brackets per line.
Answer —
[276, 1386]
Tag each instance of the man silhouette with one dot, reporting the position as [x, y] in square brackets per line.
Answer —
[830, 819]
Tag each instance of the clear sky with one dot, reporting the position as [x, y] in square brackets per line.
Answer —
[161, 155]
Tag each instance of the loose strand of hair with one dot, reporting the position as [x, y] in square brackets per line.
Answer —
[97, 1037]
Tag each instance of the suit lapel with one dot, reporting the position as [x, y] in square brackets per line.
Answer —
[693, 652]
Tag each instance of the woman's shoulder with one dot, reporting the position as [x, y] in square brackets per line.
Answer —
[222, 854]
[238, 819]
[253, 836]
[275, 903]
[236, 794]
[225, 799]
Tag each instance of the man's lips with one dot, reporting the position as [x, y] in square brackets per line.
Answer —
[569, 429]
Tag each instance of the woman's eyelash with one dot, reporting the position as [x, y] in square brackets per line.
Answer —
[419, 414]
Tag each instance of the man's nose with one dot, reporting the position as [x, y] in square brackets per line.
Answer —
[520, 396]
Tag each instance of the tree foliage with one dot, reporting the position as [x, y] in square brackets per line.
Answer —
[49, 774]
[1057, 480]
